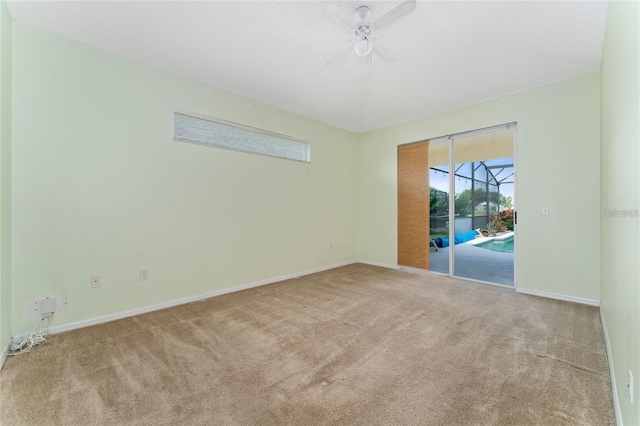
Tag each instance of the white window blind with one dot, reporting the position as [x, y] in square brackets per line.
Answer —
[228, 135]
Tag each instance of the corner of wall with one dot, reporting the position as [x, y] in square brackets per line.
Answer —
[620, 202]
[4, 354]
[5, 178]
[612, 374]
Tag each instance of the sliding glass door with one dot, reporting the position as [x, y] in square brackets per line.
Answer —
[456, 205]
[483, 185]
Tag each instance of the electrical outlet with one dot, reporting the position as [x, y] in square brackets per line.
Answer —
[95, 281]
[144, 274]
[630, 386]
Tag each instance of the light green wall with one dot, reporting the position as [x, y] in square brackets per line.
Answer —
[99, 189]
[5, 175]
[620, 156]
[557, 160]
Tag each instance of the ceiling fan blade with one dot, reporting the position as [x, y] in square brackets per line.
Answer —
[332, 9]
[383, 50]
[339, 51]
[395, 13]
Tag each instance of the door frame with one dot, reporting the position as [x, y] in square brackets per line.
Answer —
[450, 140]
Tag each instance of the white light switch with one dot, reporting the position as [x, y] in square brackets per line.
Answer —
[545, 211]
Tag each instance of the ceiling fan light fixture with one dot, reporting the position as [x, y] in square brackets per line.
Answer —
[364, 43]
[363, 46]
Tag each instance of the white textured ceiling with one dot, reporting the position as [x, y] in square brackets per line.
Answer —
[449, 53]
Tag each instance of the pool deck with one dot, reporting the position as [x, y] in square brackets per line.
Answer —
[475, 262]
[502, 237]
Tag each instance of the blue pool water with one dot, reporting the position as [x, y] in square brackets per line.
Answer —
[503, 246]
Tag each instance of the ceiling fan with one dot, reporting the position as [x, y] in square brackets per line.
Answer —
[364, 43]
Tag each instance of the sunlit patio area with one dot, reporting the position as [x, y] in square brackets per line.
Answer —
[474, 262]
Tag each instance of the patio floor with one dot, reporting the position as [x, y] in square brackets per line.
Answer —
[476, 263]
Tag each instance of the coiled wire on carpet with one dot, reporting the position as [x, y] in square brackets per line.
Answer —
[37, 336]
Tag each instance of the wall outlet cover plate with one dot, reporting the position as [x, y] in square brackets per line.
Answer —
[33, 307]
[48, 305]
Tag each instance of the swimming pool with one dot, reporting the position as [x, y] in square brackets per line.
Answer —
[501, 245]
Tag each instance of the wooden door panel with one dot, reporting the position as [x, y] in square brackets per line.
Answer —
[413, 205]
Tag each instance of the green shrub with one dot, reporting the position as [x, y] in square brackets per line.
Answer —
[505, 218]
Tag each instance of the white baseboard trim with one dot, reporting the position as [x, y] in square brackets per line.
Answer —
[4, 354]
[145, 309]
[416, 270]
[382, 265]
[581, 300]
[614, 389]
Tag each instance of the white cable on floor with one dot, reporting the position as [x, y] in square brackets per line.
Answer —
[36, 337]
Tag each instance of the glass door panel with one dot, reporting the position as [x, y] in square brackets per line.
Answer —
[484, 199]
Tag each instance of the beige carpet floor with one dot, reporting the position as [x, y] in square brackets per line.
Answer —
[356, 345]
